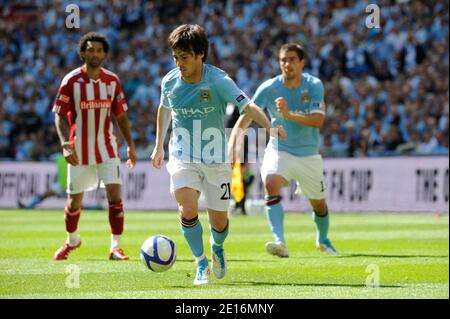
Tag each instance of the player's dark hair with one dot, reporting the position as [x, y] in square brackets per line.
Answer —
[294, 47]
[188, 38]
[92, 36]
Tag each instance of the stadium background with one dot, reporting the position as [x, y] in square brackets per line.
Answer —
[386, 88]
[386, 131]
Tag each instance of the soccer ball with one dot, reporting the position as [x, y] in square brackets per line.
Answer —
[158, 253]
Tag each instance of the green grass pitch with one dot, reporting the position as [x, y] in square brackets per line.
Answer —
[409, 252]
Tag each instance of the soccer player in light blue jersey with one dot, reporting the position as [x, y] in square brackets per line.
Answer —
[194, 96]
[294, 100]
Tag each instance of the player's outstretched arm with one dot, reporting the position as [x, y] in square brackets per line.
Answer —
[162, 125]
[258, 115]
[63, 129]
[252, 112]
[236, 140]
[124, 126]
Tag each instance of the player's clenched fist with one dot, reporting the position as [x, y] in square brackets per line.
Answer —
[282, 106]
[157, 157]
[131, 152]
[70, 155]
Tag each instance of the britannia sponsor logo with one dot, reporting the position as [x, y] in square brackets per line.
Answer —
[95, 104]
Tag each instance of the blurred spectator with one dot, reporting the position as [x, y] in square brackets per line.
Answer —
[386, 89]
[340, 145]
[441, 147]
[427, 144]
[392, 139]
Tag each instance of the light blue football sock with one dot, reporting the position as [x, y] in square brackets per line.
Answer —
[194, 238]
[275, 216]
[322, 223]
[218, 238]
[34, 201]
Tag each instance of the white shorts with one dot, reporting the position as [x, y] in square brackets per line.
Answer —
[213, 180]
[306, 171]
[83, 178]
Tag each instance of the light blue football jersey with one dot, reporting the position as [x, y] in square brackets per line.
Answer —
[198, 114]
[306, 99]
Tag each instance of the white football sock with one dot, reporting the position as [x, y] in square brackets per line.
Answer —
[115, 241]
[73, 238]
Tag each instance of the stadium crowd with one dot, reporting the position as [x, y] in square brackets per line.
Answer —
[387, 88]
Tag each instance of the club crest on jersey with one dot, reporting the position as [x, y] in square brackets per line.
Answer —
[305, 98]
[205, 95]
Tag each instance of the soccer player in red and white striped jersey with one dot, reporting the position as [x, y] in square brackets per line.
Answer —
[87, 99]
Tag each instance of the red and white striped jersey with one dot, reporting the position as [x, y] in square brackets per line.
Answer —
[88, 105]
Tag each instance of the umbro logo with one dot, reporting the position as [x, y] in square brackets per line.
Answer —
[81, 80]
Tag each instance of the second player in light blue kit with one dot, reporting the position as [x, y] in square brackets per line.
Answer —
[294, 100]
[194, 96]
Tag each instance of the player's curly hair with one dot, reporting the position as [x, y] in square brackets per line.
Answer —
[188, 38]
[294, 47]
[92, 36]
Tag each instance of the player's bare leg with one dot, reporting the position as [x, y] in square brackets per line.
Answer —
[187, 199]
[321, 218]
[116, 221]
[71, 218]
[275, 214]
[219, 232]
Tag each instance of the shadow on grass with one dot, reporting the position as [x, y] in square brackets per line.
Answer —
[137, 259]
[275, 259]
[257, 283]
[232, 260]
[391, 256]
